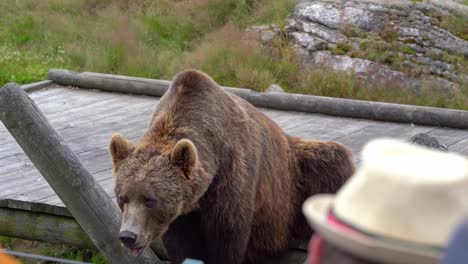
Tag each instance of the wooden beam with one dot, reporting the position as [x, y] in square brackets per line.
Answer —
[400, 113]
[42, 227]
[32, 87]
[59, 229]
[82, 195]
[51, 224]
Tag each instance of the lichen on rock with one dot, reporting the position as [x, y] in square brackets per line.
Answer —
[404, 42]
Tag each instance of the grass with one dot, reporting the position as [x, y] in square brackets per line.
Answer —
[51, 250]
[157, 39]
[458, 25]
[348, 85]
[153, 39]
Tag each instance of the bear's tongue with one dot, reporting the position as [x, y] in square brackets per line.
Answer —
[136, 251]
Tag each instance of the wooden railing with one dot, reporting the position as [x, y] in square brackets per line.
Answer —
[86, 200]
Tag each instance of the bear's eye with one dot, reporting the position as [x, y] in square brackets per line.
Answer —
[121, 201]
[150, 203]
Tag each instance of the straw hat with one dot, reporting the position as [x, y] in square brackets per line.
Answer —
[401, 206]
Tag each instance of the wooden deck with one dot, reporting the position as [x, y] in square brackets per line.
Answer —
[87, 118]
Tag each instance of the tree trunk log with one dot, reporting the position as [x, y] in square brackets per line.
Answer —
[82, 195]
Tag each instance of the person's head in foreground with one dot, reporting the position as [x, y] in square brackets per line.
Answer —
[6, 259]
[402, 205]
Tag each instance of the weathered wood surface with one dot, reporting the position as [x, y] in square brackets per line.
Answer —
[48, 223]
[282, 101]
[87, 118]
[83, 196]
[43, 227]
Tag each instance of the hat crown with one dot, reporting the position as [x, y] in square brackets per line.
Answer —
[406, 192]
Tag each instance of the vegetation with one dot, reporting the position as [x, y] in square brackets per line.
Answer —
[51, 250]
[456, 24]
[156, 39]
[139, 38]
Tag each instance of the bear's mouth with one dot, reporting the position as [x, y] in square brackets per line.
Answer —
[136, 251]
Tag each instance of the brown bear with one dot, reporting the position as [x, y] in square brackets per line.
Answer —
[217, 179]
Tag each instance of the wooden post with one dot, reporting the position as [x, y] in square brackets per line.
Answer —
[42, 227]
[82, 195]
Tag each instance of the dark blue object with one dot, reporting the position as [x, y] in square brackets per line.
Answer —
[457, 251]
[192, 261]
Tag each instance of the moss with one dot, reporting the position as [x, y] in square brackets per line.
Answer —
[458, 61]
[5, 241]
[388, 33]
[342, 48]
[408, 50]
[457, 25]
[364, 45]
[352, 31]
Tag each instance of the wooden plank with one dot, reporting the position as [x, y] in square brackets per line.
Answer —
[49, 92]
[116, 105]
[73, 101]
[123, 102]
[80, 124]
[84, 128]
[327, 128]
[359, 138]
[460, 147]
[47, 227]
[53, 199]
[104, 178]
[34, 207]
[58, 97]
[284, 101]
[53, 92]
[271, 113]
[77, 145]
[289, 118]
[311, 120]
[100, 167]
[84, 198]
[104, 126]
[96, 161]
[448, 136]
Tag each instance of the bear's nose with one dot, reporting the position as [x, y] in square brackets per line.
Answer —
[128, 238]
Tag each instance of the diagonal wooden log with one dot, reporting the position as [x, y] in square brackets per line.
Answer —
[82, 195]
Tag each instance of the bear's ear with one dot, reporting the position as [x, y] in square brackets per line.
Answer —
[184, 155]
[119, 148]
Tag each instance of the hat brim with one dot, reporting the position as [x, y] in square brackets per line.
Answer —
[316, 209]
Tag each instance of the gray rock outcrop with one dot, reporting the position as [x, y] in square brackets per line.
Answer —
[404, 42]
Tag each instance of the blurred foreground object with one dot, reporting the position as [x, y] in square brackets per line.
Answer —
[401, 206]
[6, 259]
[192, 261]
[457, 250]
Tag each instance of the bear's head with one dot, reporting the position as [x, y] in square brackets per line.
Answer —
[153, 186]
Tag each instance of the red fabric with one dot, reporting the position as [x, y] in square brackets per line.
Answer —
[337, 224]
[316, 243]
[315, 249]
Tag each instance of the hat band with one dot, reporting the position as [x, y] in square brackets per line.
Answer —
[343, 225]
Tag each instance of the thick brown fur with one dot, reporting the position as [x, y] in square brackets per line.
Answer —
[245, 179]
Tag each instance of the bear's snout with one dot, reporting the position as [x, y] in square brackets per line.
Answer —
[128, 238]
